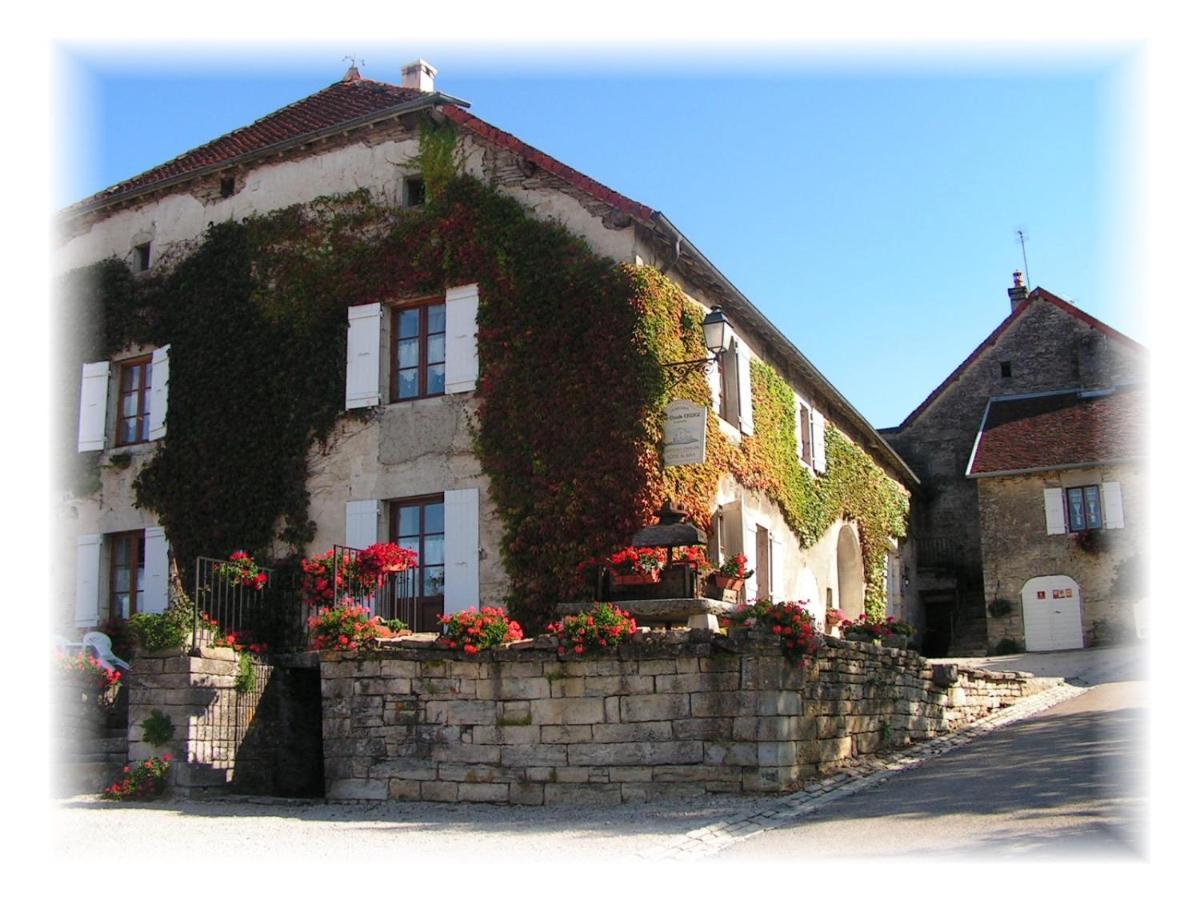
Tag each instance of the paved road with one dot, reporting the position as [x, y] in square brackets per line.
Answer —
[1066, 782]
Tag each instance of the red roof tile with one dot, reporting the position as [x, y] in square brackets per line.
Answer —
[1057, 430]
[337, 104]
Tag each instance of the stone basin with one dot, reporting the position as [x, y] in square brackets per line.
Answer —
[694, 612]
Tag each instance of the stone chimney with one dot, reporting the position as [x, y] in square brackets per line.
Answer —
[419, 76]
[1017, 293]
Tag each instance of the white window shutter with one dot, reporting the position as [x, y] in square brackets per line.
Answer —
[154, 591]
[87, 580]
[462, 550]
[462, 354]
[818, 440]
[801, 437]
[1055, 514]
[745, 403]
[93, 406]
[362, 523]
[776, 570]
[1114, 510]
[160, 377]
[362, 355]
[714, 386]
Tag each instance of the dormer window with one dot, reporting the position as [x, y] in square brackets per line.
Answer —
[227, 185]
[141, 257]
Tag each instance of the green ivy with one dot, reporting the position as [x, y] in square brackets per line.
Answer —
[571, 347]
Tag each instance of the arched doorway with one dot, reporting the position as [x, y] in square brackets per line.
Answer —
[1051, 608]
[851, 590]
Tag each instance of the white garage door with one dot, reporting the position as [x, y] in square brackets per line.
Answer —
[1051, 607]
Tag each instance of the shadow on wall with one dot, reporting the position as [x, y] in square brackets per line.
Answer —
[281, 754]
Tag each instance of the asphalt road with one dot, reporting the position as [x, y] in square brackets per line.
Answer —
[1067, 782]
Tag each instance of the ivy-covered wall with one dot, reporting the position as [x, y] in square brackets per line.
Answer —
[572, 388]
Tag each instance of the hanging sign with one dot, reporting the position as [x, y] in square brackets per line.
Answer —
[683, 433]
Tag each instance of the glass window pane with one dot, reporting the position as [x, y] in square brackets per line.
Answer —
[129, 405]
[131, 376]
[408, 353]
[1075, 506]
[121, 580]
[434, 580]
[406, 383]
[435, 518]
[409, 325]
[437, 348]
[435, 379]
[1092, 496]
[437, 318]
[409, 523]
[144, 428]
[434, 551]
[120, 553]
[122, 604]
[146, 372]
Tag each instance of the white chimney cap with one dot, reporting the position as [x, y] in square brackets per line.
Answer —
[419, 76]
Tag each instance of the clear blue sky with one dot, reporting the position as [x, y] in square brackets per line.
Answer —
[867, 207]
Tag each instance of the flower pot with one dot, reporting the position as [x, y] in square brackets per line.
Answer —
[728, 582]
[629, 580]
[860, 637]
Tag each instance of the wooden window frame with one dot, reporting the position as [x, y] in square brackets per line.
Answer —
[1083, 488]
[394, 507]
[134, 538]
[423, 335]
[143, 413]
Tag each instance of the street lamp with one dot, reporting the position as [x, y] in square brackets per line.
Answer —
[717, 333]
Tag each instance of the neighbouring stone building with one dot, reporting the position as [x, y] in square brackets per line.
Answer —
[1030, 521]
[400, 464]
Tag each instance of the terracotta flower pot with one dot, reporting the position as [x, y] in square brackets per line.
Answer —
[728, 582]
[629, 580]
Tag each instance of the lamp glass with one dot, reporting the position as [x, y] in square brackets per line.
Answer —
[716, 330]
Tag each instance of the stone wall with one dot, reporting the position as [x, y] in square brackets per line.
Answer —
[249, 742]
[671, 714]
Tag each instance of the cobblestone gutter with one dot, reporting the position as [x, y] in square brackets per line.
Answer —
[670, 715]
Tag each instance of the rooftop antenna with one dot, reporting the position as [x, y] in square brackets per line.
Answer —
[1024, 258]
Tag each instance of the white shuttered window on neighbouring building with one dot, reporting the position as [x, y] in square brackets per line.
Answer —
[160, 379]
[154, 590]
[93, 406]
[462, 352]
[362, 355]
[1114, 508]
[87, 580]
[1056, 521]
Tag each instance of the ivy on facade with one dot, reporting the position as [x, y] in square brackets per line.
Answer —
[572, 387]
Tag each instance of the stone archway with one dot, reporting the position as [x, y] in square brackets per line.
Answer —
[851, 589]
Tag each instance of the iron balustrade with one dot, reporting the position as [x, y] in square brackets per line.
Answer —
[272, 614]
[394, 598]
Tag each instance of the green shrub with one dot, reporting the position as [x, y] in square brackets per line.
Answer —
[244, 682]
[158, 631]
[157, 728]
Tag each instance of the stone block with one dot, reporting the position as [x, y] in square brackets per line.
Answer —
[407, 768]
[723, 703]
[616, 685]
[698, 774]
[634, 731]
[526, 794]
[722, 662]
[762, 673]
[468, 774]
[654, 708]
[780, 703]
[398, 668]
[514, 712]
[630, 774]
[583, 794]
[830, 749]
[636, 754]
[716, 729]
[357, 789]
[771, 779]
[778, 753]
[731, 753]
[483, 793]
[506, 734]
[567, 687]
[461, 712]
[439, 791]
[567, 711]
[534, 755]
[697, 681]
[524, 688]
[467, 753]
[399, 789]
[565, 734]
[658, 667]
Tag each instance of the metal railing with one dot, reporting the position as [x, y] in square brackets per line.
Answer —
[271, 614]
[394, 598]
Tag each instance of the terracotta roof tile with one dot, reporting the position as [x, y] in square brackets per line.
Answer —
[1060, 429]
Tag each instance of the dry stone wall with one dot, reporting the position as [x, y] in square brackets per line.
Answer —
[674, 714]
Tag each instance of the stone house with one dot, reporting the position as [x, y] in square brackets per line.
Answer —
[407, 470]
[1029, 521]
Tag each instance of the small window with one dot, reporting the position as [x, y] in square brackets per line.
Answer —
[1083, 508]
[806, 434]
[414, 191]
[227, 185]
[133, 401]
[126, 573]
[418, 351]
[1006, 369]
[141, 257]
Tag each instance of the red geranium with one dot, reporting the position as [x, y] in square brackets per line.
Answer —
[600, 627]
[473, 630]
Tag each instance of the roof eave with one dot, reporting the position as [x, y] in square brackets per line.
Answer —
[1056, 468]
[100, 201]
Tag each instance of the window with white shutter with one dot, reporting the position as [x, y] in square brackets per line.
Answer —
[818, 442]
[745, 406]
[362, 523]
[160, 377]
[1056, 522]
[154, 589]
[87, 580]
[93, 406]
[462, 352]
[462, 550]
[362, 355]
[1114, 510]
[803, 431]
